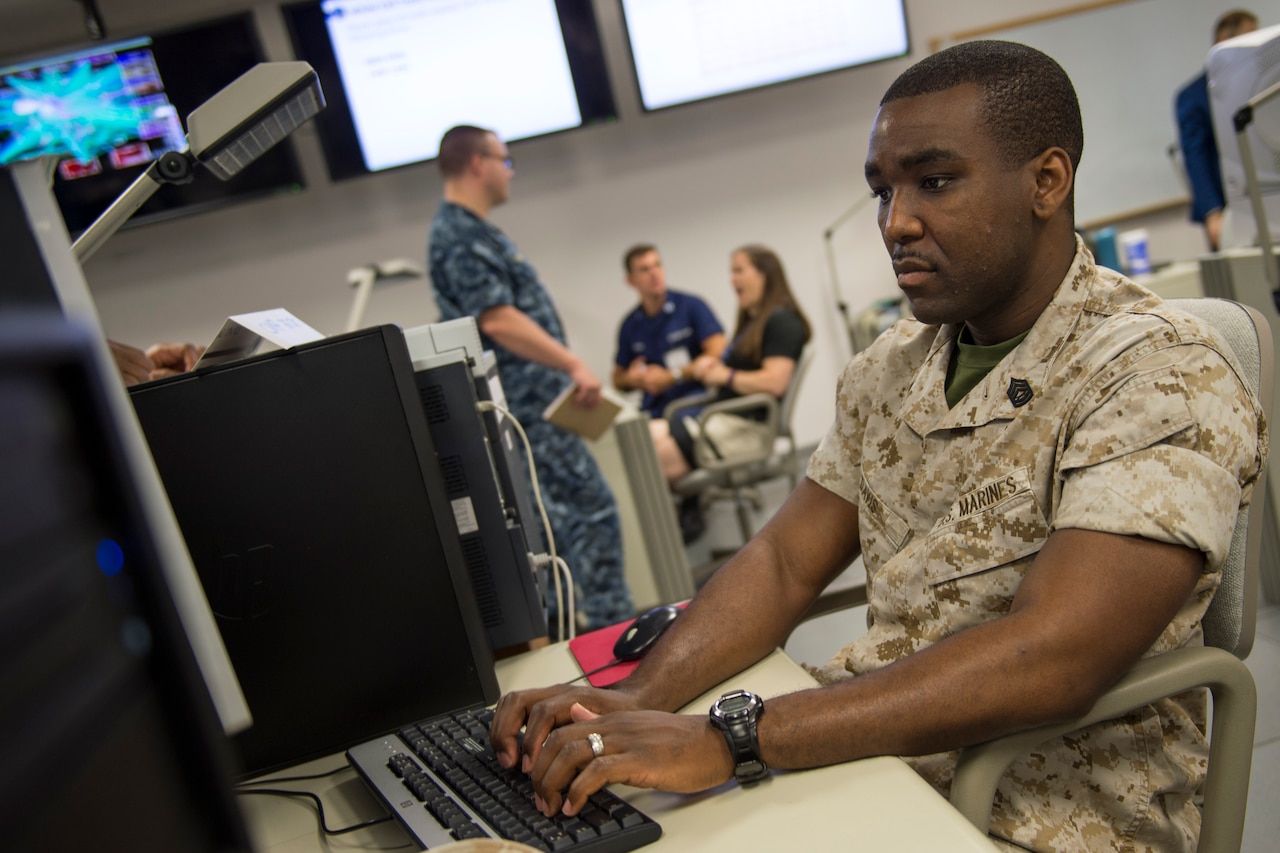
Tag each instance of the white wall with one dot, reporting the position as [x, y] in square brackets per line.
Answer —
[775, 166]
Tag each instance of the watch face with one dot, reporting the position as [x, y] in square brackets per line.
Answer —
[734, 704]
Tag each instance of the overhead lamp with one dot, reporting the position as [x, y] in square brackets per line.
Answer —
[93, 23]
[224, 134]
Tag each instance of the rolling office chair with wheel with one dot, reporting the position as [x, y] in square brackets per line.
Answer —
[1219, 664]
[738, 477]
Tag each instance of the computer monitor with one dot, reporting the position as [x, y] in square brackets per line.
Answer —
[43, 271]
[107, 110]
[1238, 69]
[398, 73]
[684, 51]
[109, 738]
[308, 490]
[495, 525]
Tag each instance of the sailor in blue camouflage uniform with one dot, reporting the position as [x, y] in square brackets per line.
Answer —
[477, 271]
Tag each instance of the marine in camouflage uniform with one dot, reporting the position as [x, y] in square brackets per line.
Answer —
[1031, 526]
[474, 266]
[1115, 414]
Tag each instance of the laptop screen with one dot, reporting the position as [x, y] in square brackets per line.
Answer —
[308, 491]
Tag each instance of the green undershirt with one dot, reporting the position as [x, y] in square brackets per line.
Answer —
[970, 363]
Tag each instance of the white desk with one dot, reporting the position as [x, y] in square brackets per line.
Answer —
[875, 804]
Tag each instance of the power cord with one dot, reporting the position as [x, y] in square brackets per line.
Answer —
[567, 624]
[243, 788]
[592, 672]
[276, 780]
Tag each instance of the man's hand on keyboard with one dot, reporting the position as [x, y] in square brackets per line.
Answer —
[645, 749]
[538, 712]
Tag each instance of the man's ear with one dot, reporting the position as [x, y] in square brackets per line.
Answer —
[1054, 179]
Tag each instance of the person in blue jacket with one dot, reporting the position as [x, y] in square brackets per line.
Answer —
[1195, 136]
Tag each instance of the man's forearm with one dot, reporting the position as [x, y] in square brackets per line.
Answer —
[516, 332]
[750, 606]
[1073, 630]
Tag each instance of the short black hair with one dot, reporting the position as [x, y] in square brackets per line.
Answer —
[634, 252]
[1027, 101]
[458, 145]
[1232, 23]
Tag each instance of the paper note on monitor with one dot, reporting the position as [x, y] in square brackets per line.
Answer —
[588, 423]
[242, 334]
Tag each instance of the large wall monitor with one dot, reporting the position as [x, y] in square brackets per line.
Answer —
[398, 73]
[690, 50]
[109, 110]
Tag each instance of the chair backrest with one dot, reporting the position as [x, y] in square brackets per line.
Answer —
[787, 405]
[1230, 620]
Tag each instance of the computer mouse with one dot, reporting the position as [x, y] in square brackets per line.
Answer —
[644, 632]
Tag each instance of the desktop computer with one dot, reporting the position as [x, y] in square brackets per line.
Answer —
[657, 565]
[484, 477]
[1238, 70]
[308, 489]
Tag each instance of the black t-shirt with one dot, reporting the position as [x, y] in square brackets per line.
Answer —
[784, 335]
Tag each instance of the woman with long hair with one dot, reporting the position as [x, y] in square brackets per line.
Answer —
[770, 334]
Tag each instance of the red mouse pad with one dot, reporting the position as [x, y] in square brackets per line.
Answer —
[595, 649]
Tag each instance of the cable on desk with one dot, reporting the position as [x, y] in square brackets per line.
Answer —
[324, 827]
[275, 780]
[592, 672]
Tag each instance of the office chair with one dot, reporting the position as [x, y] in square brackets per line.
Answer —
[1219, 664]
[739, 477]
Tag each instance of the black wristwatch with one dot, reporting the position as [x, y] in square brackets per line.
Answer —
[736, 714]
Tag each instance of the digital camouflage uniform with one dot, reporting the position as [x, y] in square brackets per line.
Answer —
[474, 266]
[1117, 414]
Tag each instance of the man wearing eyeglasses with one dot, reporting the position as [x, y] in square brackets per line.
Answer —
[477, 271]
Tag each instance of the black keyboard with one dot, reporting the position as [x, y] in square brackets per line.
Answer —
[442, 781]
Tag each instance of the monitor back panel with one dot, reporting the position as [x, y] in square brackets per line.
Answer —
[307, 489]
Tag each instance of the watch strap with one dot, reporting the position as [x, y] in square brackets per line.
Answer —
[740, 731]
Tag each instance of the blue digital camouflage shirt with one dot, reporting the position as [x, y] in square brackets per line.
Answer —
[473, 267]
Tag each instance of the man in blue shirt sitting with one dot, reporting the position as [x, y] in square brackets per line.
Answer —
[662, 336]
[657, 345]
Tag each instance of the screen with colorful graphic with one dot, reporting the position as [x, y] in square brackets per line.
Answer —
[108, 110]
[101, 108]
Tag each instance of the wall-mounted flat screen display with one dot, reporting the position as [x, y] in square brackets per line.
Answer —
[691, 50]
[398, 73]
[106, 111]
